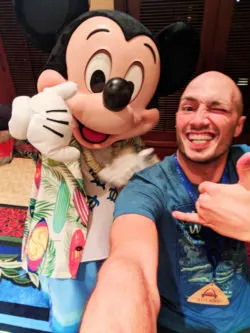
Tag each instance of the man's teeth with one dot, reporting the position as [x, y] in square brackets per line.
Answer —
[200, 138]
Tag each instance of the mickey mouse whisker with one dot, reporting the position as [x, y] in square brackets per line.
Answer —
[52, 130]
[63, 110]
[58, 121]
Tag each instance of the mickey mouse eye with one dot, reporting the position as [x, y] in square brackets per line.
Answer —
[135, 76]
[98, 72]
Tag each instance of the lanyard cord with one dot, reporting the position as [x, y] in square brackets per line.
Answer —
[213, 241]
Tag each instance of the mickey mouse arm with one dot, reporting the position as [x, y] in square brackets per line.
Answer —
[46, 121]
[126, 164]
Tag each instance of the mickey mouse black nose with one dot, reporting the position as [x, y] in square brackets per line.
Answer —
[117, 94]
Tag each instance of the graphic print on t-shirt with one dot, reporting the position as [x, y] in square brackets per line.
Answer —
[195, 266]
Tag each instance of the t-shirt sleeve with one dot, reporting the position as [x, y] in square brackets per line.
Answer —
[238, 150]
[140, 196]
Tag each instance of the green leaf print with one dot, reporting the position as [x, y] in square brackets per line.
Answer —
[68, 176]
[21, 280]
[51, 180]
[73, 215]
[9, 259]
[52, 173]
[32, 201]
[27, 225]
[47, 265]
[30, 213]
[43, 209]
[12, 270]
[61, 207]
[10, 265]
[50, 187]
[80, 184]
[34, 279]
[67, 242]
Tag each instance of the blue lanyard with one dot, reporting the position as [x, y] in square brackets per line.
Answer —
[213, 250]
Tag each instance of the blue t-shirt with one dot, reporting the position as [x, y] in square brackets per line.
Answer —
[184, 263]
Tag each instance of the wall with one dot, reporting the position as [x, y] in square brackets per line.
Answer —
[101, 4]
[7, 91]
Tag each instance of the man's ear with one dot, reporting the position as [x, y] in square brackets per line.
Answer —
[240, 125]
[49, 78]
[179, 48]
[41, 20]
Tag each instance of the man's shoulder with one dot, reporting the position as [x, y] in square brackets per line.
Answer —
[238, 150]
[155, 171]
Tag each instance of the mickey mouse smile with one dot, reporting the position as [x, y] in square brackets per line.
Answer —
[92, 136]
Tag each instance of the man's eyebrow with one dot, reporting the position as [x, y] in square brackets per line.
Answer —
[217, 103]
[96, 31]
[189, 98]
[152, 51]
[213, 103]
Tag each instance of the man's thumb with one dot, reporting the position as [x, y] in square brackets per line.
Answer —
[243, 170]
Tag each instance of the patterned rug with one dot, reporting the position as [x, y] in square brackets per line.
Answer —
[23, 307]
[12, 221]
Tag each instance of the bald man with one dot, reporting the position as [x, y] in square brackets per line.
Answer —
[225, 209]
[165, 275]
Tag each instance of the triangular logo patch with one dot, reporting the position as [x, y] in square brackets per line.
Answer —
[209, 295]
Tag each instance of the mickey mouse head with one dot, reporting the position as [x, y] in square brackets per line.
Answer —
[118, 66]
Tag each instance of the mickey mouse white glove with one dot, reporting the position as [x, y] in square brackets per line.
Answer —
[46, 121]
[126, 164]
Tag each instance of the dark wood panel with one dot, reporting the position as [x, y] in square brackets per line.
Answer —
[157, 14]
[25, 61]
[237, 58]
[223, 26]
[162, 152]
[121, 5]
[7, 91]
[208, 32]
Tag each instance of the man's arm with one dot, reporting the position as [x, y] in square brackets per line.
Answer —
[126, 298]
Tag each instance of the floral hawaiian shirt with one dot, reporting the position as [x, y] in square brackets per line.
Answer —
[68, 203]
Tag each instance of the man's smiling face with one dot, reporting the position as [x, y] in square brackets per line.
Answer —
[208, 118]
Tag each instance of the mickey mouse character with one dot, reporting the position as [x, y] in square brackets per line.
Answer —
[92, 103]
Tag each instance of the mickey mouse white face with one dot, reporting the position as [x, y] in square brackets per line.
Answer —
[116, 80]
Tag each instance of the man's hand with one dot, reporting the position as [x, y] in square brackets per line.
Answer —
[224, 208]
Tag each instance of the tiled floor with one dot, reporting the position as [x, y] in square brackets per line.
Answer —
[16, 181]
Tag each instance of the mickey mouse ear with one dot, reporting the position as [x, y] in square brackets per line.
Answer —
[42, 20]
[179, 47]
